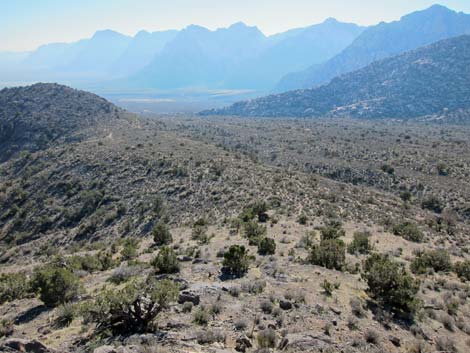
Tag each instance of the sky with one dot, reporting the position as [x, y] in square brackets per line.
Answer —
[27, 24]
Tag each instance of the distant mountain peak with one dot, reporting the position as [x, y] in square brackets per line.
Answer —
[239, 24]
[330, 20]
[106, 34]
[433, 10]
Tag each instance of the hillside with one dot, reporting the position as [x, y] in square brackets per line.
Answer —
[39, 116]
[418, 83]
[250, 234]
[381, 41]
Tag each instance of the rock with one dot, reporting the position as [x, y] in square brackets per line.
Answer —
[285, 304]
[189, 297]
[306, 342]
[335, 322]
[395, 341]
[184, 258]
[26, 346]
[283, 344]
[335, 310]
[105, 349]
[242, 343]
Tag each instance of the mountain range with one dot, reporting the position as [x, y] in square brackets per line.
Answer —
[239, 57]
[381, 41]
[430, 80]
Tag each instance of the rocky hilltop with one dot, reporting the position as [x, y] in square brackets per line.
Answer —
[35, 117]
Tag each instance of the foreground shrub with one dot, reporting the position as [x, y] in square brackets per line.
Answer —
[166, 261]
[253, 287]
[408, 231]
[254, 232]
[360, 243]
[258, 209]
[124, 273]
[129, 250]
[236, 260]
[134, 308]
[6, 328]
[437, 260]
[55, 285]
[161, 234]
[432, 203]
[390, 284]
[201, 316]
[267, 338]
[267, 246]
[65, 315]
[14, 286]
[463, 270]
[89, 263]
[330, 253]
[333, 230]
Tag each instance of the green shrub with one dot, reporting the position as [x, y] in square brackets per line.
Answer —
[267, 246]
[390, 284]
[303, 219]
[329, 287]
[432, 203]
[132, 309]
[6, 328]
[65, 314]
[201, 316]
[408, 231]
[333, 230]
[55, 285]
[129, 250]
[386, 168]
[166, 261]
[89, 263]
[258, 209]
[462, 269]
[438, 260]
[161, 234]
[14, 286]
[267, 338]
[254, 232]
[360, 243]
[330, 253]
[236, 260]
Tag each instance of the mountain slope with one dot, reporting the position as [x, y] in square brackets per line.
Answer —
[34, 117]
[295, 50]
[384, 40]
[200, 57]
[241, 57]
[421, 82]
[140, 51]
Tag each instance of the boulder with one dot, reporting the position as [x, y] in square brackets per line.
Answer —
[242, 343]
[23, 345]
[189, 297]
[285, 304]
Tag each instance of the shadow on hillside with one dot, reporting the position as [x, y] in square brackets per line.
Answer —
[30, 314]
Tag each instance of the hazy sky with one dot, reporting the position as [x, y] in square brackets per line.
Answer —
[26, 24]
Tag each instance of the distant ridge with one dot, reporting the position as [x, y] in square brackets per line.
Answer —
[426, 81]
[381, 41]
